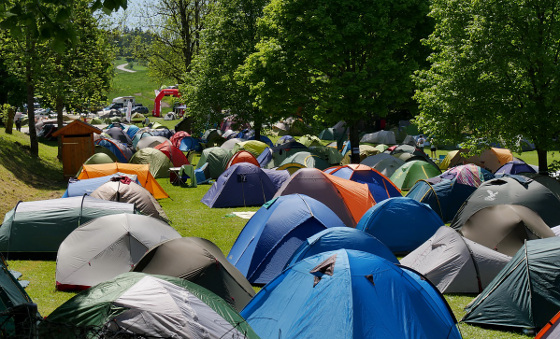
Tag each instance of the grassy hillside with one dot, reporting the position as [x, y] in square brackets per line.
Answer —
[138, 84]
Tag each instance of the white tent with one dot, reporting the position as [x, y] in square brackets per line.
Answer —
[106, 247]
[455, 264]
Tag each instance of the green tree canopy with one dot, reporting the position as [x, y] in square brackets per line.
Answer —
[495, 73]
[336, 59]
[230, 36]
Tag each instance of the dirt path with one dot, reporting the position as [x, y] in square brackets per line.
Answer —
[122, 68]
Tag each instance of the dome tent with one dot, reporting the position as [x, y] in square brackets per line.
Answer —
[335, 238]
[142, 305]
[122, 189]
[217, 159]
[347, 198]
[158, 162]
[106, 247]
[447, 192]
[271, 236]
[145, 178]
[410, 172]
[532, 276]
[455, 264]
[400, 223]
[199, 261]
[350, 294]
[380, 186]
[512, 190]
[243, 184]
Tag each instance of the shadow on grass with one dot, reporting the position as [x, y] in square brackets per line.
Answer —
[34, 172]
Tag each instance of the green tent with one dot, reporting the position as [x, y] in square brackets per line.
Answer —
[526, 292]
[41, 226]
[330, 154]
[158, 161]
[101, 158]
[13, 297]
[310, 140]
[145, 306]
[408, 174]
[217, 159]
[254, 147]
[303, 159]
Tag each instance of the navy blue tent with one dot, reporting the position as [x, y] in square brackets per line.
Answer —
[279, 227]
[285, 139]
[400, 223]
[278, 177]
[243, 184]
[350, 294]
[515, 167]
[265, 157]
[447, 192]
[335, 238]
[120, 150]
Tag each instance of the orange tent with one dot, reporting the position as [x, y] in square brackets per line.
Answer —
[145, 178]
[243, 156]
[492, 158]
[348, 199]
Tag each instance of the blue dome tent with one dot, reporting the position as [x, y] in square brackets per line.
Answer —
[269, 239]
[335, 238]
[350, 294]
[400, 223]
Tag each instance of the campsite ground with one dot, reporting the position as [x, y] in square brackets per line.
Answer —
[24, 178]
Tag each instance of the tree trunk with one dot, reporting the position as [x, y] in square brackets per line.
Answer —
[543, 161]
[10, 122]
[355, 143]
[59, 122]
[30, 87]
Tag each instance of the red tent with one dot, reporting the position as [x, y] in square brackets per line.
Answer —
[173, 153]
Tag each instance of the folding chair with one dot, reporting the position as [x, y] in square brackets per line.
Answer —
[174, 176]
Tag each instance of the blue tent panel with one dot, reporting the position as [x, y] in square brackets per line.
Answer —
[279, 227]
[400, 223]
[78, 188]
[350, 294]
[335, 238]
[189, 144]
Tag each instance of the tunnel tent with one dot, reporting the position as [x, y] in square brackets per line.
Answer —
[41, 226]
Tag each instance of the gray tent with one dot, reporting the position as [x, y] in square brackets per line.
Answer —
[455, 264]
[200, 261]
[380, 137]
[384, 163]
[106, 247]
[124, 190]
[137, 305]
[40, 226]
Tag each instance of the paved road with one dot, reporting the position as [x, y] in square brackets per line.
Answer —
[122, 68]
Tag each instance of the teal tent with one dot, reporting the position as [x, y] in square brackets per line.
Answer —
[526, 292]
[41, 226]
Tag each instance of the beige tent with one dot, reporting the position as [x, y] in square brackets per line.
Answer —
[504, 228]
[125, 190]
[455, 264]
